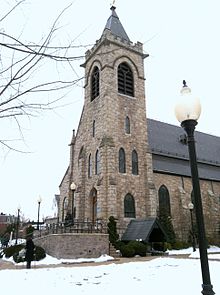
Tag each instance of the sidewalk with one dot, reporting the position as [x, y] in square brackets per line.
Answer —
[9, 265]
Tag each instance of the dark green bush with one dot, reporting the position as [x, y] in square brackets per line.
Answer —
[10, 251]
[178, 245]
[18, 257]
[127, 251]
[39, 253]
[119, 244]
[139, 248]
[167, 246]
[15, 251]
[159, 246]
[112, 230]
[166, 222]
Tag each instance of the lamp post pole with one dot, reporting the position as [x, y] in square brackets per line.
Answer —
[73, 206]
[188, 115]
[73, 188]
[17, 226]
[38, 212]
[191, 207]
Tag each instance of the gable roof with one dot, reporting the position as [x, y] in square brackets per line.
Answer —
[170, 151]
[114, 25]
[142, 230]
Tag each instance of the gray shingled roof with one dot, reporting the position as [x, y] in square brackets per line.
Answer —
[147, 230]
[114, 25]
[170, 155]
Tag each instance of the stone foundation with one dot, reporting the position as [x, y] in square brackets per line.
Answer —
[71, 246]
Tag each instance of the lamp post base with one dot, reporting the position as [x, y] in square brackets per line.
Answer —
[207, 290]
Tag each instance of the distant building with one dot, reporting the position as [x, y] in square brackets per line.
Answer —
[125, 165]
[6, 220]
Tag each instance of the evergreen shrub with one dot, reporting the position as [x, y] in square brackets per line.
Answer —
[18, 253]
[167, 246]
[139, 248]
[119, 244]
[112, 231]
[127, 251]
[178, 245]
[167, 224]
[10, 251]
[39, 253]
[159, 246]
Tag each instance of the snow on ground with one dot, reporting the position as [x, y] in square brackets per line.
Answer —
[49, 260]
[161, 275]
[189, 251]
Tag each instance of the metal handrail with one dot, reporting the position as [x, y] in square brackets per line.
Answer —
[76, 226]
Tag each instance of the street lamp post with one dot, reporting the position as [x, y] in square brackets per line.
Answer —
[191, 207]
[39, 200]
[17, 225]
[187, 113]
[73, 188]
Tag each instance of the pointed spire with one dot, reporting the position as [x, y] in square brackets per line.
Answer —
[114, 25]
[73, 138]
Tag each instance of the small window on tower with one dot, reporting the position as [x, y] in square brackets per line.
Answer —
[122, 162]
[97, 162]
[134, 162]
[95, 83]
[93, 129]
[125, 80]
[127, 125]
[90, 166]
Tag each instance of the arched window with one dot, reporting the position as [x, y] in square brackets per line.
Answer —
[134, 157]
[125, 79]
[93, 195]
[122, 162]
[97, 162]
[81, 154]
[93, 128]
[127, 125]
[65, 207]
[95, 83]
[129, 206]
[90, 166]
[164, 201]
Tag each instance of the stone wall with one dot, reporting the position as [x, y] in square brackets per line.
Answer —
[180, 189]
[70, 246]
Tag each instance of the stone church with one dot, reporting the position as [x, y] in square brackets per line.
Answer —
[123, 164]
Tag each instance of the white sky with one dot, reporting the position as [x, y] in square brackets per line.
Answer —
[167, 275]
[183, 42]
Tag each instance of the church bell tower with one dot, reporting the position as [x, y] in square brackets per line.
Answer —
[111, 165]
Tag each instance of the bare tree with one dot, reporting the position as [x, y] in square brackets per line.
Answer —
[21, 66]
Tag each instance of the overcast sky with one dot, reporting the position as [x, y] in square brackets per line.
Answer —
[182, 40]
